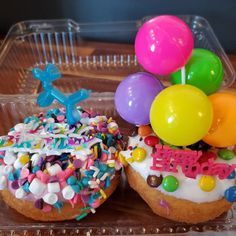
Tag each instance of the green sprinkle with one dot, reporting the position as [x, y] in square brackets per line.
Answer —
[81, 216]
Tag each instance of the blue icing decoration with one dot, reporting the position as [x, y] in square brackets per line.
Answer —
[230, 194]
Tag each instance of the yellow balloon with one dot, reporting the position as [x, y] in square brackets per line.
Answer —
[181, 115]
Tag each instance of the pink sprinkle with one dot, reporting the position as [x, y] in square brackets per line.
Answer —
[46, 208]
[104, 156]
[61, 175]
[96, 203]
[60, 118]
[68, 172]
[45, 178]
[75, 199]
[84, 115]
[39, 174]
[31, 177]
[72, 203]
[71, 141]
[63, 184]
[24, 173]
[90, 162]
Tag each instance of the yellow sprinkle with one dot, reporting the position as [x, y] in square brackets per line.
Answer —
[109, 120]
[122, 160]
[78, 148]
[111, 165]
[24, 159]
[37, 146]
[95, 151]
[103, 194]
[45, 171]
[130, 160]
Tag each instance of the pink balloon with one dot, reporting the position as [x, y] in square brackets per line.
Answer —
[163, 44]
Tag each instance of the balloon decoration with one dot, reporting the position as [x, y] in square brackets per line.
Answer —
[181, 115]
[223, 130]
[134, 96]
[163, 44]
[204, 70]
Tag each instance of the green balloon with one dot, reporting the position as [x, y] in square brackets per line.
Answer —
[204, 70]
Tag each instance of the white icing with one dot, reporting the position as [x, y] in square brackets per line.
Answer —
[188, 187]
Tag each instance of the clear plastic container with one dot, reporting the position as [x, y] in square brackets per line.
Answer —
[95, 56]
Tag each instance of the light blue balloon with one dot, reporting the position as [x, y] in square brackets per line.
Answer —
[49, 94]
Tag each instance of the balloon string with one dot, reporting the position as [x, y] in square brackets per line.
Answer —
[183, 75]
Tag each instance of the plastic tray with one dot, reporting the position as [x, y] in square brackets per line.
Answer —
[95, 56]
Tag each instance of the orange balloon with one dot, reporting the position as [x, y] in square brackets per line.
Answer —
[223, 129]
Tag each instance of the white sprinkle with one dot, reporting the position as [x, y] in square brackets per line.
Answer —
[37, 187]
[19, 127]
[54, 187]
[3, 182]
[96, 170]
[112, 149]
[18, 164]
[104, 176]
[68, 193]
[20, 193]
[7, 169]
[50, 198]
[9, 158]
[35, 159]
[110, 161]
[97, 181]
[54, 169]
[93, 210]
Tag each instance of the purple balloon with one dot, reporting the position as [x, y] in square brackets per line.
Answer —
[134, 97]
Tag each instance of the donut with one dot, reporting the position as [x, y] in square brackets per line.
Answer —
[53, 171]
[191, 184]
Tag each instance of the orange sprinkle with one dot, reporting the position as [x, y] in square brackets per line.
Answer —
[144, 130]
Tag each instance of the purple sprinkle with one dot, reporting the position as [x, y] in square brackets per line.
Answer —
[15, 184]
[58, 162]
[50, 158]
[53, 179]
[165, 205]
[77, 163]
[39, 203]
[40, 162]
[71, 141]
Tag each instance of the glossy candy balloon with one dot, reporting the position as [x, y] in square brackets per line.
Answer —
[134, 96]
[181, 115]
[163, 44]
[204, 70]
[223, 130]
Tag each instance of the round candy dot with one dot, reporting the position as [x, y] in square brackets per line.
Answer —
[151, 140]
[154, 181]
[230, 194]
[207, 183]
[226, 154]
[139, 154]
[232, 175]
[207, 156]
[144, 130]
[170, 183]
